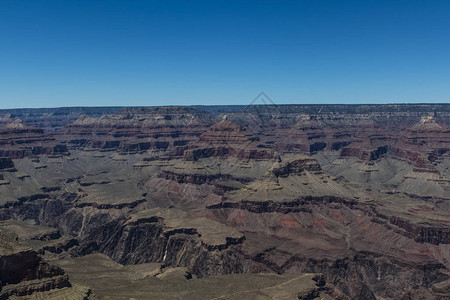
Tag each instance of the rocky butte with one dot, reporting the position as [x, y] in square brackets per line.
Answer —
[226, 202]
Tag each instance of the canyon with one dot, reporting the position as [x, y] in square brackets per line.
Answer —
[225, 202]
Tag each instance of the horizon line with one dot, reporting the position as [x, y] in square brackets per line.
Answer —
[252, 104]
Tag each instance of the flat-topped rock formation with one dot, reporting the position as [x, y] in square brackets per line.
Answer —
[212, 234]
[18, 140]
[51, 119]
[225, 139]
[138, 129]
[290, 180]
[150, 281]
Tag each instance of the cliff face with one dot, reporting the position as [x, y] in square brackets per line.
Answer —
[338, 238]
[296, 167]
[128, 242]
[135, 130]
[227, 139]
[356, 193]
[6, 163]
[23, 272]
[18, 141]
[51, 119]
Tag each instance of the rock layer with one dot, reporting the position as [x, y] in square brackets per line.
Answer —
[356, 193]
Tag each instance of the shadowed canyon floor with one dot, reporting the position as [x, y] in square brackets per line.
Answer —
[260, 202]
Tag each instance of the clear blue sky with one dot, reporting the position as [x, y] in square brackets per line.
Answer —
[102, 53]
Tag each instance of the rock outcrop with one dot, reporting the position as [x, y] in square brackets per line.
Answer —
[24, 273]
[225, 139]
[18, 141]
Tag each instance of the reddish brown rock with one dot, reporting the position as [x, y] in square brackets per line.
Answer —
[226, 139]
[18, 141]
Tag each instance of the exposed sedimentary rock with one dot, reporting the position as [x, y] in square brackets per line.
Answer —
[23, 272]
[356, 193]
